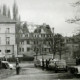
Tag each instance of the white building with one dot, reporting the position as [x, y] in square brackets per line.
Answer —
[8, 45]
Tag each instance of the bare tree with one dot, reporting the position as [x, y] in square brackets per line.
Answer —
[76, 17]
[15, 11]
[9, 14]
[4, 10]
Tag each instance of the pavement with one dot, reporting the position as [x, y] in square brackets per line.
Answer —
[29, 72]
[32, 74]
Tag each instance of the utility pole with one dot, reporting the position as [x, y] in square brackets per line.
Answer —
[41, 48]
[53, 44]
[6, 44]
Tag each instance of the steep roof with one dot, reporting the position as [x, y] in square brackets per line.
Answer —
[46, 29]
[4, 19]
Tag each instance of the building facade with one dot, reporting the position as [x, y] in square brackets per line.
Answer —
[8, 45]
[36, 43]
[72, 47]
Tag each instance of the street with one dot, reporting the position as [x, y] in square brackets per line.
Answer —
[29, 72]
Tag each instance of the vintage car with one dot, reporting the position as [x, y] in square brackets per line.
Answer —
[57, 65]
[75, 69]
[7, 65]
[38, 62]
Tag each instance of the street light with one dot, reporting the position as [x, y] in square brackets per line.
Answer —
[53, 43]
[6, 44]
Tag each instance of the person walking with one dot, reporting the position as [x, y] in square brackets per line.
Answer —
[46, 64]
[17, 66]
[42, 64]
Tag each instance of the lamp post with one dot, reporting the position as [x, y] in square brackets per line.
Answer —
[53, 44]
[6, 44]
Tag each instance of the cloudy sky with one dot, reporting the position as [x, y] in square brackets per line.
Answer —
[52, 12]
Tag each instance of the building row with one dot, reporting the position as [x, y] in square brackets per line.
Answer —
[38, 42]
[28, 43]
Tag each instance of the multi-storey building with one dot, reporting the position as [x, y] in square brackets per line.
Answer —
[8, 46]
[38, 42]
[72, 47]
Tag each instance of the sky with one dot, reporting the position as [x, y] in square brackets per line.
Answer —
[52, 12]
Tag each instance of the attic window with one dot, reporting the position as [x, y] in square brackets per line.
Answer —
[26, 35]
[39, 30]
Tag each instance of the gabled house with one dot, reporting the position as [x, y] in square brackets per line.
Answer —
[36, 42]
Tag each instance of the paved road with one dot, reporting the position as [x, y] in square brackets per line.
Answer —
[31, 73]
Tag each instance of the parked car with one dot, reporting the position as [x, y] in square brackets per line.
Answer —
[7, 65]
[75, 69]
[38, 62]
[57, 65]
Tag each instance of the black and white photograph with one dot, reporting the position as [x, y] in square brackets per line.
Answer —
[39, 39]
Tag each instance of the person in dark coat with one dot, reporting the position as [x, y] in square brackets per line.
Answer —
[17, 66]
[47, 64]
[17, 61]
[17, 69]
[43, 64]
[77, 61]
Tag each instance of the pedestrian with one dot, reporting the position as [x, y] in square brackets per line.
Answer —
[17, 66]
[0, 64]
[17, 69]
[76, 60]
[17, 61]
[79, 60]
[46, 64]
[43, 64]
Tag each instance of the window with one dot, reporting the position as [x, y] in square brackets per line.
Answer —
[44, 49]
[22, 49]
[7, 40]
[49, 43]
[7, 30]
[47, 35]
[21, 42]
[28, 49]
[7, 51]
[34, 42]
[49, 50]
[0, 50]
[35, 35]
[0, 40]
[27, 35]
[28, 42]
[43, 35]
[0, 29]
